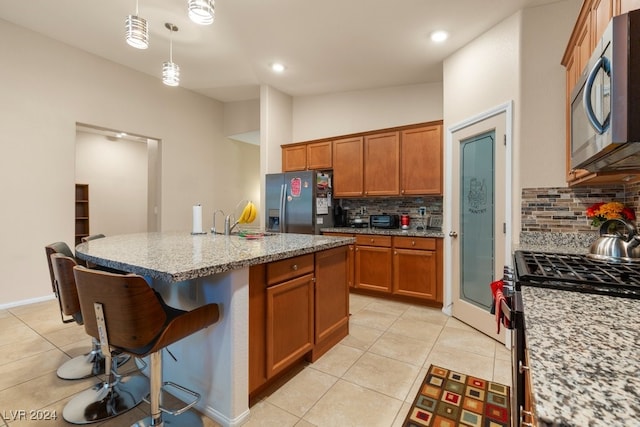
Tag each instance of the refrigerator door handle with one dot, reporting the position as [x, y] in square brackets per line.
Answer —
[283, 207]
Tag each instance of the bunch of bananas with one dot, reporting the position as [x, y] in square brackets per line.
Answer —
[249, 214]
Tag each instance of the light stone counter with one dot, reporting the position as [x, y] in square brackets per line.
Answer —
[190, 271]
[584, 354]
[178, 256]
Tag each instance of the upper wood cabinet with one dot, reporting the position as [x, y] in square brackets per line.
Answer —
[311, 156]
[601, 14]
[421, 161]
[348, 167]
[406, 160]
[624, 6]
[592, 20]
[382, 164]
[294, 158]
[319, 155]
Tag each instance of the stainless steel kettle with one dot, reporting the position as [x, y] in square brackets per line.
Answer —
[617, 246]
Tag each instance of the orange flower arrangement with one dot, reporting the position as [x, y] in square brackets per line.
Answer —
[600, 212]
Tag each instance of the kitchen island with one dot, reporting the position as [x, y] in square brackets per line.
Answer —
[584, 357]
[193, 270]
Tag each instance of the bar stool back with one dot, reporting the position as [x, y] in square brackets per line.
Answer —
[108, 398]
[133, 318]
[64, 288]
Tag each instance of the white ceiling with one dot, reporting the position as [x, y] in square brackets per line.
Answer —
[327, 46]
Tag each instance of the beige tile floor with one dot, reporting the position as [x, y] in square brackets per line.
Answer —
[368, 379]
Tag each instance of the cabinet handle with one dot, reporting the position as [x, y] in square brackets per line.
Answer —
[294, 267]
[371, 240]
[357, 249]
[395, 252]
[413, 243]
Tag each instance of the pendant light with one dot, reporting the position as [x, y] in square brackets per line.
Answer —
[137, 32]
[171, 70]
[202, 11]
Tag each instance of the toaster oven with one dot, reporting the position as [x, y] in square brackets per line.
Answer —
[384, 221]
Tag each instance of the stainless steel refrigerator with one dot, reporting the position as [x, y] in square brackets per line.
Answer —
[298, 202]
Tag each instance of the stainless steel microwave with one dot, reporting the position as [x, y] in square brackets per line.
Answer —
[605, 103]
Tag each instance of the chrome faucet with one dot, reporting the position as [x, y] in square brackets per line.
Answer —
[228, 227]
[213, 229]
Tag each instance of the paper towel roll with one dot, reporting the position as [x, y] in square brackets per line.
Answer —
[197, 220]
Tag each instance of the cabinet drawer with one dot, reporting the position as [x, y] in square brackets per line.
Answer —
[373, 240]
[286, 269]
[424, 243]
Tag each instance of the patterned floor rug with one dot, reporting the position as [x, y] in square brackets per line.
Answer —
[447, 399]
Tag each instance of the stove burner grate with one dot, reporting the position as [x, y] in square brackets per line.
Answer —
[567, 271]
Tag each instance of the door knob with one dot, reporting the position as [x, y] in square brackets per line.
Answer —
[453, 234]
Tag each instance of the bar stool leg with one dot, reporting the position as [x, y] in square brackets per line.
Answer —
[157, 418]
[111, 397]
[92, 363]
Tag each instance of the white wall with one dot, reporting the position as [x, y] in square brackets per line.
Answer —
[241, 117]
[117, 174]
[48, 87]
[482, 75]
[545, 32]
[335, 114]
[518, 60]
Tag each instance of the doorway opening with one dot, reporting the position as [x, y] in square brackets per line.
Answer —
[122, 171]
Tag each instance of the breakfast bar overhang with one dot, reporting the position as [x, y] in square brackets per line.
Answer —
[193, 270]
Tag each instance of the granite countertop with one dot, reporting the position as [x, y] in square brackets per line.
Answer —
[177, 256]
[386, 231]
[584, 354]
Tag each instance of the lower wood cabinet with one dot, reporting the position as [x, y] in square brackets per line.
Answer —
[289, 322]
[415, 267]
[298, 308]
[331, 299]
[373, 263]
[396, 266]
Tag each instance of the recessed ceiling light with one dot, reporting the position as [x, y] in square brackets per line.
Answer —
[277, 67]
[439, 36]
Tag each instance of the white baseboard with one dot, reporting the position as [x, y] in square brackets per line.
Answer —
[26, 302]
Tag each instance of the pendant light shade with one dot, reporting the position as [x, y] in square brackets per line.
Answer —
[136, 31]
[171, 70]
[170, 73]
[202, 11]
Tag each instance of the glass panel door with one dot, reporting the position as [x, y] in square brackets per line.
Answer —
[477, 208]
[478, 219]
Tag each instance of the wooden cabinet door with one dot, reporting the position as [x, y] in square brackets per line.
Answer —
[331, 299]
[382, 164]
[415, 273]
[624, 6]
[348, 167]
[584, 46]
[294, 158]
[421, 161]
[289, 322]
[601, 14]
[319, 155]
[351, 258]
[373, 268]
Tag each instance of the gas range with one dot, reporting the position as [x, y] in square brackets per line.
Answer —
[577, 273]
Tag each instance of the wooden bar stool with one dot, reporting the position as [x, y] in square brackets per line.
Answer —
[116, 394]
[64, 288]
[132, 318]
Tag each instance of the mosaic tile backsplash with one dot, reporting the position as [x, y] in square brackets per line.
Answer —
[564, 209]
[392, 205]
